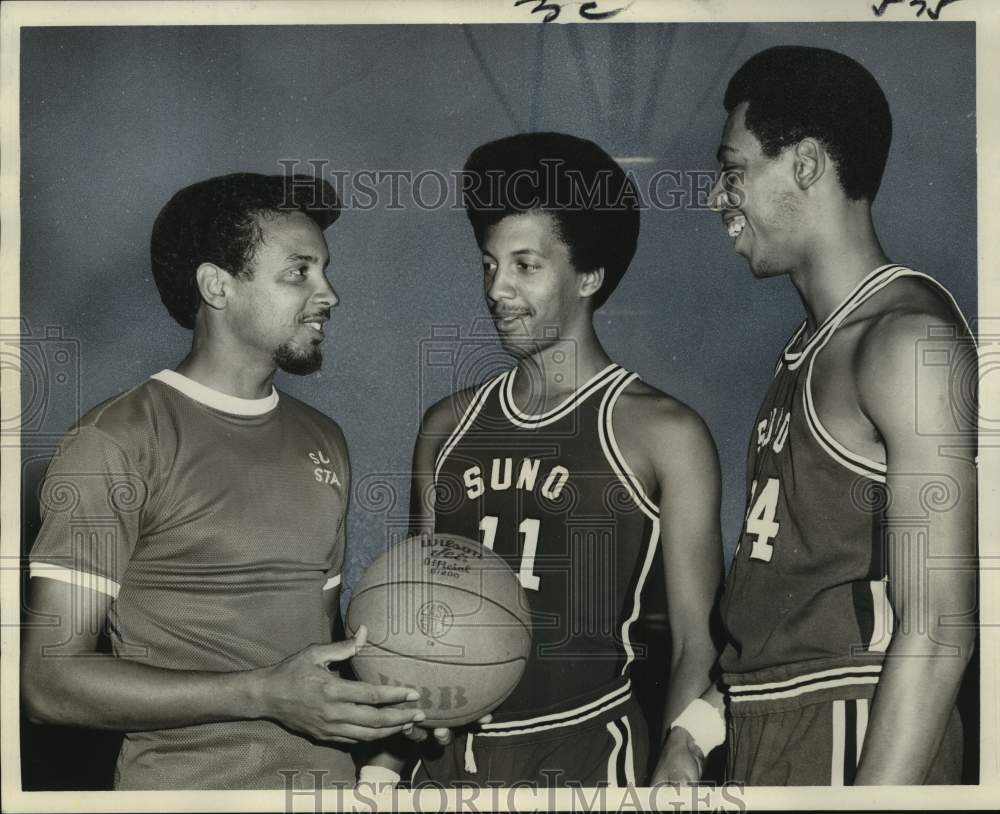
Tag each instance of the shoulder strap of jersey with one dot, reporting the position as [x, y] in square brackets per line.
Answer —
[468, 417]
[870, 285]
[612, 452]
[787, 354]
[875, 470]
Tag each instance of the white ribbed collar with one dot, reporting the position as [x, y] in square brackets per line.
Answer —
[234, 405]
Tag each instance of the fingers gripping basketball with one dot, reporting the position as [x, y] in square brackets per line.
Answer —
[447, 617]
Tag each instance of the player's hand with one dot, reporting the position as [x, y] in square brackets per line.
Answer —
[442, 734]
[305, 694]
[681, 761]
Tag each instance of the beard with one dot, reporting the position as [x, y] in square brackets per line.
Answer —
[298, 361]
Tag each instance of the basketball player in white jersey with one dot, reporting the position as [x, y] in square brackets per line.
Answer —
[578, 473]
[846, 639]
[199, 517]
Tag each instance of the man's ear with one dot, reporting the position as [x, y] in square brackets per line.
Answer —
[810, 162]
[213, 285]
[591, 281]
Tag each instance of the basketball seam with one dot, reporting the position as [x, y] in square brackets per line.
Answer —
[504, 608]
[448, 663]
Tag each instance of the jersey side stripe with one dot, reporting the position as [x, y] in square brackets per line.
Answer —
[862, 728]
[883, 616]
[618, 465]
[612, 452]
[613, 773]
[629, 753]
[837, 745]
[525, 421]
[654, 538]
[463, 425]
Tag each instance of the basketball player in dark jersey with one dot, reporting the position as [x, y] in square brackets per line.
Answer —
[846, 643]
[579, 474]
[200, 517]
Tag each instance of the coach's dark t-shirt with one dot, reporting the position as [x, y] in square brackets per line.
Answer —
[215, 523]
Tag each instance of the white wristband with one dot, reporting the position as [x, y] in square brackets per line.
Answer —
[704, 723]
[378, 775]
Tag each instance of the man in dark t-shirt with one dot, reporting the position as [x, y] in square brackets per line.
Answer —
[199, 518]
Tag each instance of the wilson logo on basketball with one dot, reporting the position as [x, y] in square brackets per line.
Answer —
[434, 619]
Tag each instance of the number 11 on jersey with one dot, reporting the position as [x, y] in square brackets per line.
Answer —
[529, 528]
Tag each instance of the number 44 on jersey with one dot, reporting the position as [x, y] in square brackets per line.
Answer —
[760, 519]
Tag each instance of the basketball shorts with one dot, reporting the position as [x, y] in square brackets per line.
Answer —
[818, 744]
[590, 744]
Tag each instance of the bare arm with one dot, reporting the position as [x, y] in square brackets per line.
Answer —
[930, 542]
[692, 560]
[64, 680]
[686, 467]
[437, 426]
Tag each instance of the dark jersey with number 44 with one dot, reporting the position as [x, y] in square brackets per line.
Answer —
[805, 604]
[554, 497]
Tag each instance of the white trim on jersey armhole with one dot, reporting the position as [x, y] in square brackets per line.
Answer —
[78, 579]
[612, 452]
[331, 583]
[951, 299]
[859, 464]
[618, 464]
[470, 414]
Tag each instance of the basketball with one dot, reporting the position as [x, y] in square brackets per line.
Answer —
[447, 617]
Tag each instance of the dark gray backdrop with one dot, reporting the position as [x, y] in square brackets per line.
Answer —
[114, 120]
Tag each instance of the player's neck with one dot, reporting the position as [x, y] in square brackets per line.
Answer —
[837, 260]
[557, 371]
[214, 367]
